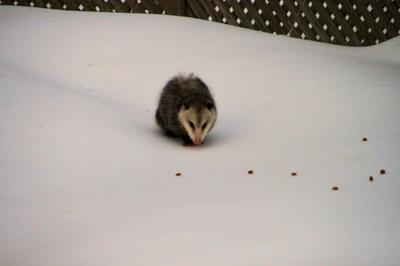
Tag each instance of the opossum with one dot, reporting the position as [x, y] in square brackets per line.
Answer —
[186, 109]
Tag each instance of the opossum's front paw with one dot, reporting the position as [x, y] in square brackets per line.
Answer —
[186, 141]
[187, 144]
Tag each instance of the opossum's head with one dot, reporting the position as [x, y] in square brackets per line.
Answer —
[198, 120]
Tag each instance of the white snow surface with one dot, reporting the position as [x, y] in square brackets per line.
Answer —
[86, 177]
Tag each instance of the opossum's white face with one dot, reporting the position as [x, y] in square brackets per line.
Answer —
[198, 123]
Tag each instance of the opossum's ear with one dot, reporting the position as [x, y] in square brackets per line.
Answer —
[210, 105]
[186, 106]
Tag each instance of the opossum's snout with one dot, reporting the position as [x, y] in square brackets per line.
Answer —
[197, 141]
[195, 134]
[197, 122]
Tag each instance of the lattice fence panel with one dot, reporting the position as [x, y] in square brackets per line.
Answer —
[355, 22]
[346, 22]
[126, 6]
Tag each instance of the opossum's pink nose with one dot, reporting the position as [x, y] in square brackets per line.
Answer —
[197, 141]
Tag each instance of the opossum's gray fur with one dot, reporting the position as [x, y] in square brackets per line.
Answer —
[180, 93]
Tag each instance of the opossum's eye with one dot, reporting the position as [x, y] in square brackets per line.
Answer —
[204, 126]
[209, 106]
[191, 124]
[186, 105]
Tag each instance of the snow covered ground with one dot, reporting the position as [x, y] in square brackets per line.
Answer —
[86, 178]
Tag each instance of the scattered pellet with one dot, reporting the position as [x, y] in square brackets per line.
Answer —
[383, 171]
[335, 188]
[364, 139]
[371, 178]
[250, 172]
[294, 174]
[178, 174]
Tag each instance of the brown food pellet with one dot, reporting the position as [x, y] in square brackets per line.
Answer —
[383, 171]
[250, 172]
[371, 178]
[178, 174]
[335, 188]
[364, 139]
[294, 174]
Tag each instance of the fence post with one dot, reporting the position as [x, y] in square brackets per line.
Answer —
[174, 7]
